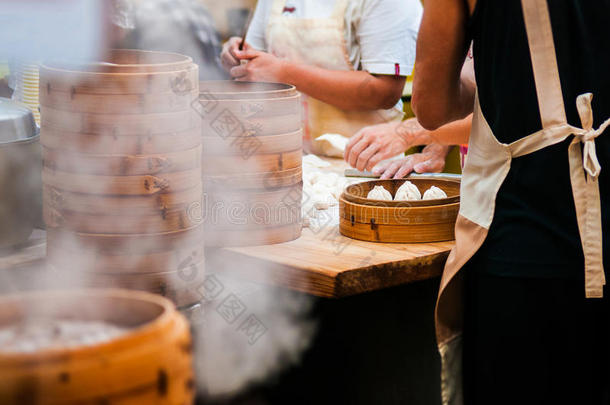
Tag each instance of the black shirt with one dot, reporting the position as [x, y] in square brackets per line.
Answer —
[534, 232]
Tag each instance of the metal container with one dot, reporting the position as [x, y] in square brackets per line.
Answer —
[20, 174]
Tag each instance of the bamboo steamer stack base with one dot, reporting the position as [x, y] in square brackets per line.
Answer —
[252, 155]
[150, 364]
[122, 172]
[399, 221]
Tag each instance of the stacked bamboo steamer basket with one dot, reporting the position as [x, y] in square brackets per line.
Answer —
[420, 221]
[151, 363]
[122, 172]
[252, 156]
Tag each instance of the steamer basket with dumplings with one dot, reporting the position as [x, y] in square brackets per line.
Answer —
[94, 347]
[252, 142]
[122, 171]
[416, 221]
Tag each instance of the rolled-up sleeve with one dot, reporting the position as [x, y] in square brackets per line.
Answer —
[256, 32]
[387, 34]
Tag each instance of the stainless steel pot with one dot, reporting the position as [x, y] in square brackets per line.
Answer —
[20, 174]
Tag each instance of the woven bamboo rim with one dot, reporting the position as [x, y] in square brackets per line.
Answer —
[243, 145]
[236, 164]
[157, 345]
[404, 224]
[120, 124]
[121, 165]
[125, 244]
[222, 125]
[114, 145]
[256, 181]
[122, 185]
[255, 236]
[357, 192]
[143, 103]
[238, 90]
[146, 205]
[126, 61]
[135, 263]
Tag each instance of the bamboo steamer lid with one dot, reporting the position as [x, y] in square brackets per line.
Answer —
[150, 363]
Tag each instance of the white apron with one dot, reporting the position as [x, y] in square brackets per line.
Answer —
[320, 42]
[487, 165]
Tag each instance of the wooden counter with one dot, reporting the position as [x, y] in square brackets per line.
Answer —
[326, 264]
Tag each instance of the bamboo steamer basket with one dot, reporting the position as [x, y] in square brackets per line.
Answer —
[170, 264]
[151, 363]
[399, 221]
[147, 144]
[252, 156]
[122, 170]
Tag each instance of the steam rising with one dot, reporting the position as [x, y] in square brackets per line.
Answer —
[271, 327]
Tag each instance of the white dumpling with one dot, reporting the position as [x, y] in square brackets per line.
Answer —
[379, 193]
[407, 192]
[434, 193]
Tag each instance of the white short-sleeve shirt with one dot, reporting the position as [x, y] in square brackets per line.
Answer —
[380, 34]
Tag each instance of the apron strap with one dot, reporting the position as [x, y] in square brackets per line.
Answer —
[544, 62]
[584, 165]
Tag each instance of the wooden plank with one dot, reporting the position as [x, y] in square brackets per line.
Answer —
[334, 266]
[324, 263]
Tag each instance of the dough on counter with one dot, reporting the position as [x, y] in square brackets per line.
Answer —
[379, 193]
[434, 193]
[331, 145]
[314, 161]
[407, 192]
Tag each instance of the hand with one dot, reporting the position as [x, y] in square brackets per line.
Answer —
[228, 56]
[260, 67]
[375, 143]
[430, 160]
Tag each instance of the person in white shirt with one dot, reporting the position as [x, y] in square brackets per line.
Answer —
[349, 58]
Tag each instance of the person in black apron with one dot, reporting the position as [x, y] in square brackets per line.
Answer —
[518, 320]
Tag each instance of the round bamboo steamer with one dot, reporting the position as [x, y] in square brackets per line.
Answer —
[122, 185]
[399, 221]
[164, 221]
[263, 207]
[122, 165]
[104, 262]
[118, 103]
[120, 145]
[128, 61]
[78, 82]
[151, 363]
[124, 244]
[256, 181]
[268, 144]
[120, 124]
[144, 205]
[122, 168]
[257, 163]
[252, 156]
[256, 236]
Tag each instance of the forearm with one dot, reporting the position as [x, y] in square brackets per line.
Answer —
[453, 133]
[440, 95]
[347, 90]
